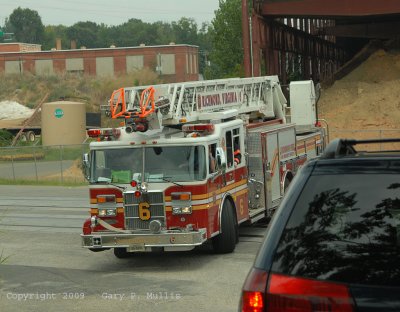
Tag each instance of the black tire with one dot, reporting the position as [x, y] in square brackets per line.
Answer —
[225, 242]
[98, 249]
[121, 253]
[31, 136]
[23, 137]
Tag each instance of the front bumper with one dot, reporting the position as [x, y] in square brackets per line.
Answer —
[170, 240]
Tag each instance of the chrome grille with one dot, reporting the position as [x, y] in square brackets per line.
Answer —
[131, 206]
[157, 210]
[137, 224]
[153, 198]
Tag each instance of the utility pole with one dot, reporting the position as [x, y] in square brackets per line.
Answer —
[246, 39]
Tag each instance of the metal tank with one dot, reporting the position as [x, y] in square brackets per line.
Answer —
[63, 123]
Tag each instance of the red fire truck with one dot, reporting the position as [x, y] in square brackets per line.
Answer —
[193, 161]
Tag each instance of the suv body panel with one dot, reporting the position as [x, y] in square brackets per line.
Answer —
[341, 161]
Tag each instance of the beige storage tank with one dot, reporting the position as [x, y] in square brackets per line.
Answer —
[63, 123]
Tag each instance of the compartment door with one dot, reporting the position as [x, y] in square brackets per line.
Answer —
[270, 155]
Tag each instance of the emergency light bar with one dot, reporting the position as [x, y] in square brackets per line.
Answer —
[104, 133]
[207, 128]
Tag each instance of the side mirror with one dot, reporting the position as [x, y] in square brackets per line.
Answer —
[221, 158]
[86, 166]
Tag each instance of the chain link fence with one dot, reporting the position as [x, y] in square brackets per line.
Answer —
[62, 163]
[59, 164]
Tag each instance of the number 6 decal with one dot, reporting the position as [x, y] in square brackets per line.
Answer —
[144, 211]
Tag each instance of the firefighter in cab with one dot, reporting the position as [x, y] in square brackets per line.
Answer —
[237, 154]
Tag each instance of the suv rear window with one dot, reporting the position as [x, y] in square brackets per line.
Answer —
[345, 227]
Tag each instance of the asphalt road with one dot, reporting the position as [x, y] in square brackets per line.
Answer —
[48, 270]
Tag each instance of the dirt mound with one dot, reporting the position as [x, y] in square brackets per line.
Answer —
[367, 98]
[72, 174]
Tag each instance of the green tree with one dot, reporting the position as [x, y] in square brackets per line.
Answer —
[26, 25]
[226, 57]
[163, 33]
[105, 36]
[133, 33]
[86, 34]
[205, 47]
[185, 31]
[51, 33]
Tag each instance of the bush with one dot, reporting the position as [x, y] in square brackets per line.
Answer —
[5, 138]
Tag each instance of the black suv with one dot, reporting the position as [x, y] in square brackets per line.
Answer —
[334, 242]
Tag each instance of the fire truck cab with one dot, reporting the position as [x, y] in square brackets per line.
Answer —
[192, 162]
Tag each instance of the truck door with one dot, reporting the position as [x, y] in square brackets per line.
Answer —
[234, 158]
[230, 173]
[236, 170]
[270, 155]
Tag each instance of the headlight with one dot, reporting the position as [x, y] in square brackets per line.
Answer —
[182, 210]
[107, 212]
[181, 203]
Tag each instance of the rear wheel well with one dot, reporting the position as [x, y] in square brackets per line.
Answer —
[290, 176]
[288, 179]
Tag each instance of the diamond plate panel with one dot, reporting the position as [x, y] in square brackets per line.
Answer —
[254, 147]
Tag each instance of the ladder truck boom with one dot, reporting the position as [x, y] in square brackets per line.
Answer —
[187, 102]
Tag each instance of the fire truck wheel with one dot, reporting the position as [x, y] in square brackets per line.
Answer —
[121, 253]
[225, 242]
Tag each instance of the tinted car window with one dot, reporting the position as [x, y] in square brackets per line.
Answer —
[344, 227]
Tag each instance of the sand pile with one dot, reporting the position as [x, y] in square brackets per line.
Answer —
[368, 98]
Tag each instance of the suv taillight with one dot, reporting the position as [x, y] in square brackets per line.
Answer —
[293, 294]
[253, 293]
[288, 293]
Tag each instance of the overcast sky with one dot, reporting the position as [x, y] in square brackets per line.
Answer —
[112, 12]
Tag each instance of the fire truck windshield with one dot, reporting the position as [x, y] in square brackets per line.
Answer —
[162, 163]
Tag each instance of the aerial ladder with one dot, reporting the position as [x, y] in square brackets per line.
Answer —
[152, 107]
